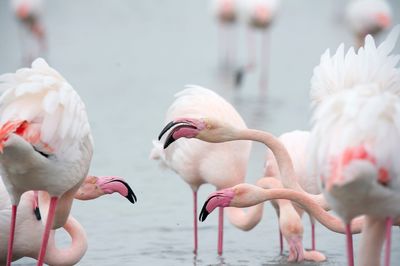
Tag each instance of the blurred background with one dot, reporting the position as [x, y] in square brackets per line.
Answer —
[127, 59]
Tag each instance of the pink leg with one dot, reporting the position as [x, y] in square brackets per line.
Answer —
[349, 238]
[220, 230]
[312, 236]
[280, 242]
[46, 234]
[12, 232]
[264, 62]
[251, 49]
[389, 223]
[195, 221]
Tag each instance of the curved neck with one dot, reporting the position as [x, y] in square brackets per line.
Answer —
[285, 164]
[282, 156]
[331, 222]
[245, 220]
[74, 253]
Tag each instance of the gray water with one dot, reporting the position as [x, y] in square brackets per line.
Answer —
[127, 59]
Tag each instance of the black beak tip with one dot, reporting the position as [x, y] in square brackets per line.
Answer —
[203, 215]
[131, 195]
[168, 141]
[37, 214]
[165, 129]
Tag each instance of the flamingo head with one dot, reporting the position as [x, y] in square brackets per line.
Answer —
[227, 11]
[356, 163]
[241, 196]
[221, 198]
[292, 229]
[94, 187]
[384, 20]
[206, 129]
[23, 10]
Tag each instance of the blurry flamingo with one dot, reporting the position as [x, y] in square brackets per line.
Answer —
[199, 162]
[45, 142]
[226, 14]
[368, 17]
[259, 15]
[28, 229]
[296, 144]
[33, 35]
[355, 139]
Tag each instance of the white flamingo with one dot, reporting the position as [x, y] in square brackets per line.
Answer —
[199, 162]
[29, 229]
[258, 15]
[368, 17]
[226, 14]
[45, 142]
[33, 35]
[356, 138]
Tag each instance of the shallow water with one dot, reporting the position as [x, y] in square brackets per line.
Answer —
[127, 59]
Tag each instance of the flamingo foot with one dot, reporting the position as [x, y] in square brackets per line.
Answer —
[296, 250]
[313, 255]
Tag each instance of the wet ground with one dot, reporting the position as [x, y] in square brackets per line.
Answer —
[127, 59]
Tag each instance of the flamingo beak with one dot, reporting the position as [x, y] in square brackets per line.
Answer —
[220, 198]
[189, 130]
[117, 184]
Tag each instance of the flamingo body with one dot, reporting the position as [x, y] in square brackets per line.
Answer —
[197, 162]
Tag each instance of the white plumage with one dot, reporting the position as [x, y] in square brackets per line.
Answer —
[41, 95]
[196, 161]
[356, 139]
[370, 66]
[49, 145]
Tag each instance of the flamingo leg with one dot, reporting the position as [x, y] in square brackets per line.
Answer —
[251, 49]
[12, 232]
[280, 242]
[264, 61]
[389, 223]
[220, 230]
[349, 238]
[46, 234]
[195, 221]
[312, 236]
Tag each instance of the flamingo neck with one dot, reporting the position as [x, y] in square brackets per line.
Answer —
[245, 220]
[275, 192]
[74, 253]
[282, 156]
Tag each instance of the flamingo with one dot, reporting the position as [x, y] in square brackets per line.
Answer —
[355, 139]
[259, 15]
[45, 142]
[247, 195]
[217, 130]
[196, 162]
[226, 14]
[368, 17]
[296, 144]
[29, 13]
[30, 229]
